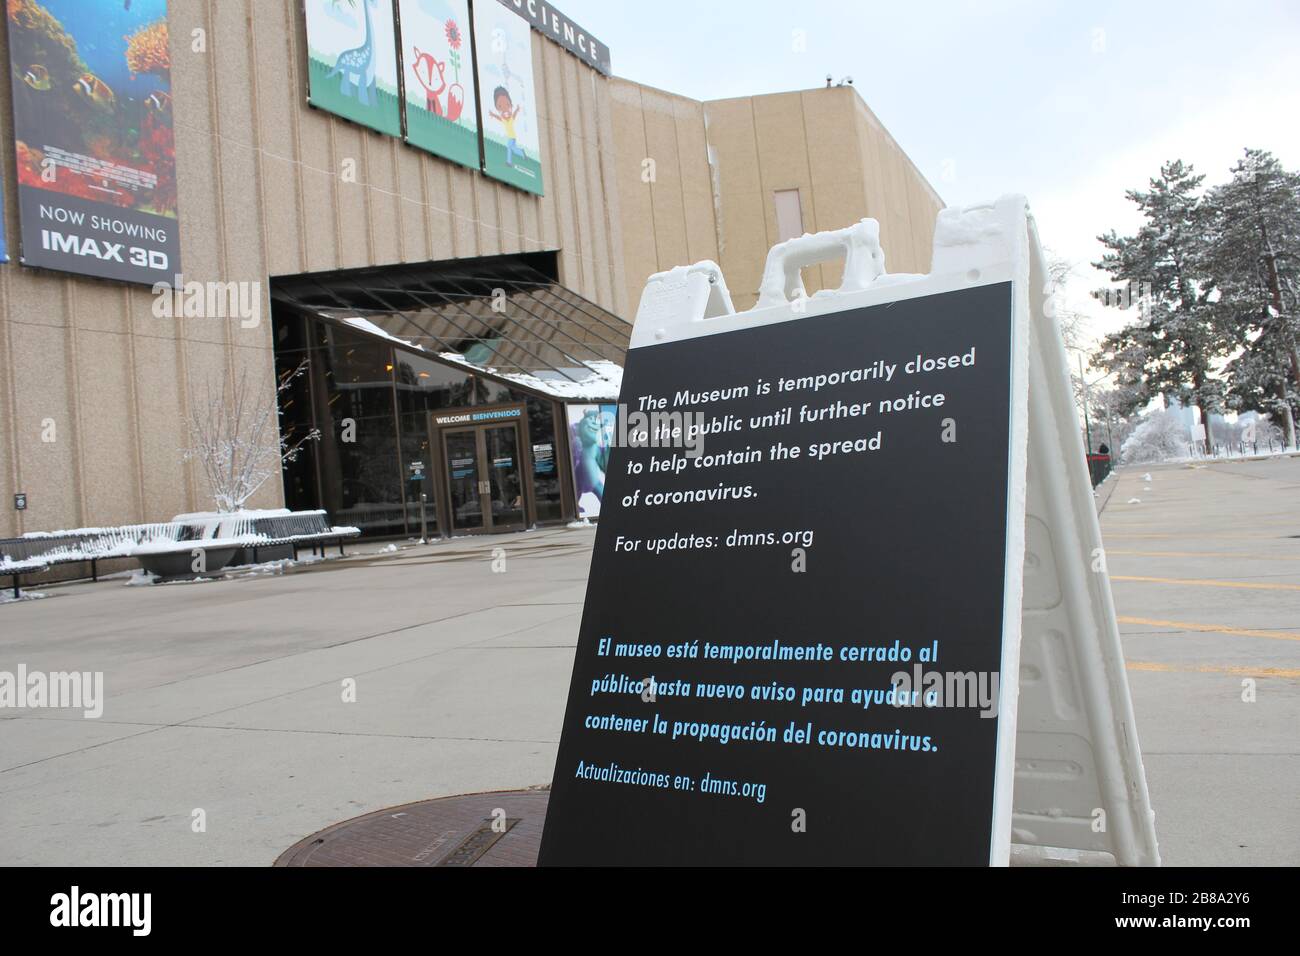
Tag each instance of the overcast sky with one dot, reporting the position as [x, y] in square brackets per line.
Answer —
[1068, 103]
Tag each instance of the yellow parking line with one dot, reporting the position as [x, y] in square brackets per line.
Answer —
[1205, 554]
[1185, 534]
[1207, 669]
[1205, 583]
[1210, 628]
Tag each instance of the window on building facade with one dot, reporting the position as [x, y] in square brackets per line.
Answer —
[789, 214]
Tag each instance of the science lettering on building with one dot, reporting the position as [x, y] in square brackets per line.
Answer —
[553, 24]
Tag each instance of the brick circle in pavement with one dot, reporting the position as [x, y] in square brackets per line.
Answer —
[502, 828]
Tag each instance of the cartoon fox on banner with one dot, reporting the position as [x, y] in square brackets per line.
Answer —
[439, 76]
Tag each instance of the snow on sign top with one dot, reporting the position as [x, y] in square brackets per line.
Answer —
[594, 381]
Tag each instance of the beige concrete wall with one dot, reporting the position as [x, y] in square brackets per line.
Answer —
[260, 193]
[664, 182]
[825, 143]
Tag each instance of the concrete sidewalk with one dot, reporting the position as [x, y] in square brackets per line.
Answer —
[1205, 569]
[228, 696]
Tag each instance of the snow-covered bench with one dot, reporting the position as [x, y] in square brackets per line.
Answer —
[151, 544]
[47, 548]
[297, 529]
[15, 570]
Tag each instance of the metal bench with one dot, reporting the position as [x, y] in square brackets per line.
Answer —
[298, 529]
[85, 545]
[16, 569]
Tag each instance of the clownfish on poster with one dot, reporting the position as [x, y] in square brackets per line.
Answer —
[94, 91]
[38, 78]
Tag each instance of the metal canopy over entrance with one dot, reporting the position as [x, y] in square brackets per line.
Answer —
[406, 373]
[506, 314]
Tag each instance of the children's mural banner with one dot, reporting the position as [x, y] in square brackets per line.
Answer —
[94, 138]
[507, 97]
[352, 62]
[591, 433]
[438, 74]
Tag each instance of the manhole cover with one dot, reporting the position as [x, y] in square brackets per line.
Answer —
[476, 829]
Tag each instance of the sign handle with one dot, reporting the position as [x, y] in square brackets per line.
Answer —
[858, 244]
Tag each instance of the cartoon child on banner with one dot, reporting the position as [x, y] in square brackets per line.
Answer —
[505, 114]
[510, 96]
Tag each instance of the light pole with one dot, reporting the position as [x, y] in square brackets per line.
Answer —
[1087, 428]
[1086, 386]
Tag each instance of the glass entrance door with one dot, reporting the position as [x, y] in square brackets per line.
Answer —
[465, 511]
[484, 478]
[505, 486]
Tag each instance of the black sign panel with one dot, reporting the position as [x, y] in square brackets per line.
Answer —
[816, 600]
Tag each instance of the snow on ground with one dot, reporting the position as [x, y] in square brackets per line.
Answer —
[7, 596]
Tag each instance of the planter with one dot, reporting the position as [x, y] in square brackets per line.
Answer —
[169, 565]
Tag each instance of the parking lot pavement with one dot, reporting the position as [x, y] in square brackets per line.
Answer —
[1205, 569]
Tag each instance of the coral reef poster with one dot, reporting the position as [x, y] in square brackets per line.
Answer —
[94, 138]
[438, 75]
[352, 62]
[512, 138]
[591, 434]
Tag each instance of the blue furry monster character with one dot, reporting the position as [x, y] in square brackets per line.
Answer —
[592, 432]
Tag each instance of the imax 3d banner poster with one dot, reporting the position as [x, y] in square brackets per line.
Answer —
[94, 138]
[352, 62]
[438, 74]
[507, 96]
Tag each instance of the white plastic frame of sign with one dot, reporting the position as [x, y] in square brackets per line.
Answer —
[1067, 724]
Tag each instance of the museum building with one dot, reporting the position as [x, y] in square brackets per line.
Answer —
[440, 283]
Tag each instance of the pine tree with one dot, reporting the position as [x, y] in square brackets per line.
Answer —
[1173, 344]
[1255, 260]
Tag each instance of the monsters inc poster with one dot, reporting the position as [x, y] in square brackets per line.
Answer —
[503, 45]
[94, 137]
[438, 75]
[591, 435]
[352, 62]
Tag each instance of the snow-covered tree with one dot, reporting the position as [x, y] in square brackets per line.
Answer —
[1171, 348]
[1255, 260]
[1072, 322]
[1160, 436]
[1112, 421]
[235, 436]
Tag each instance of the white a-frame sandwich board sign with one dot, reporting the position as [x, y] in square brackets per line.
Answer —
[847, 602]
